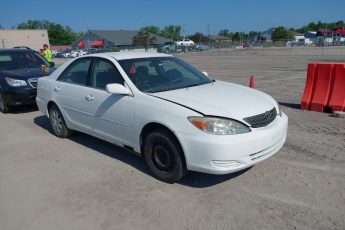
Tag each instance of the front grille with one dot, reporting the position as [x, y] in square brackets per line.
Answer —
[33, 82]
[262, 119]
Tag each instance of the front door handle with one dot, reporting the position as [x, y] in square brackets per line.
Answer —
[89, 97]
[57, 89]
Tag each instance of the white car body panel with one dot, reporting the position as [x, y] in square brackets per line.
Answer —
[120, 119]
[214, 99]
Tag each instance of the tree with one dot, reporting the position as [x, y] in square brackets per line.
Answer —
[144, 38]
[321, 25]
[224, 32]
[172, 31]
[253, 35]
[199, 38]
[281, 33]
[152, 29]
[57, 33]
[236, 37]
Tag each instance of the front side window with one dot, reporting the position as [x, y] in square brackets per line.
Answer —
[104, 72]
[77, 72]
[158, 74]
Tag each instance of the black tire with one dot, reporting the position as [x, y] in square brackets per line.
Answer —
[57, 123]
[164, 156]
[4, 108]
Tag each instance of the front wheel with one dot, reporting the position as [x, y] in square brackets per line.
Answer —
[58, 124]
[164, 156]
[4, 108]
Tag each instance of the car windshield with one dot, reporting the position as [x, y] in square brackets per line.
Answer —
[21, 60]
[157, 74]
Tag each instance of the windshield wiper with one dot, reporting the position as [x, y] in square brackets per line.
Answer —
[197, 84]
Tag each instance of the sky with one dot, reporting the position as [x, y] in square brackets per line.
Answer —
[203, 16]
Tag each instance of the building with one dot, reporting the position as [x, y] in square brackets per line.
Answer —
[30, 38]
[112, 38]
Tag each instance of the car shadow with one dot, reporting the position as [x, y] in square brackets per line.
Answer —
[23, 109]
[290, 105]
[192, 179]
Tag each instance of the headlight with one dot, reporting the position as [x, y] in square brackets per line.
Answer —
[15, 82]
[219, 126]
[279, 112]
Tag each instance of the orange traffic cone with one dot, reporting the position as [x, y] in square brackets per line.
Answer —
[252, 82]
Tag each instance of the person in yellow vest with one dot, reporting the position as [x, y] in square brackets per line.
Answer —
[47, 53]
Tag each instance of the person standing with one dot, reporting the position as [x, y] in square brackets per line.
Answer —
[47, 53]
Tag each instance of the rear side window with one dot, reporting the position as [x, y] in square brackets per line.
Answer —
[77, 72]
[104, 72]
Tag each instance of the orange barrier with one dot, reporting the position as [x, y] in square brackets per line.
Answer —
[325, 87]
[252, 81]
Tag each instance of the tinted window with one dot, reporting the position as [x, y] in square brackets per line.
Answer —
[21, 60]
[77, 72]
[162, 74]
[104, 72]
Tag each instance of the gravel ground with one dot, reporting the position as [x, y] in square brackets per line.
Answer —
[85, 183]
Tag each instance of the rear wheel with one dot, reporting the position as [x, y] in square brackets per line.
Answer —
[57, 123]
[4, 108]
[164, 156]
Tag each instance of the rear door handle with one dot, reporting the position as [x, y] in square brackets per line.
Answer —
[57, 89]
[89, 97]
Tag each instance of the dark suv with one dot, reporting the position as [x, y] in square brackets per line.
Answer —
[19, 70]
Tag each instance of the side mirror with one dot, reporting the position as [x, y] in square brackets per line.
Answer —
[115, 88]
[205, 73]
[51, 64]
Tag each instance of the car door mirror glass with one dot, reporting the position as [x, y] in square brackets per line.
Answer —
[115, 88]
[51, 64]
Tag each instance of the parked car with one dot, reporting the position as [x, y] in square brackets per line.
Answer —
[63, 54]
[167, 47]
[185, 42]
[161, 107]
[201, 47]
[19, 70]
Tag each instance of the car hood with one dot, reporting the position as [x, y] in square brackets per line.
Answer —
[221, 99]
[26, 73]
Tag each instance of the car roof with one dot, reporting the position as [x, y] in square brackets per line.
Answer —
[17, 50]
[129, 55]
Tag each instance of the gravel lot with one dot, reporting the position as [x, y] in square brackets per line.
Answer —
[85, 183]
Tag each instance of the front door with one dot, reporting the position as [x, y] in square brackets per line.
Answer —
[113, 115]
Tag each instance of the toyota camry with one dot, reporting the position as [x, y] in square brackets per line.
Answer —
[157, 105]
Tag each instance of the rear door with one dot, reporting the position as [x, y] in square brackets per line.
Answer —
[70, 91]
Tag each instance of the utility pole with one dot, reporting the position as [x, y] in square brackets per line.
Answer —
[208, 34]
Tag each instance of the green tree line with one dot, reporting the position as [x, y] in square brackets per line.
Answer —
[59, 34]
[281, 32]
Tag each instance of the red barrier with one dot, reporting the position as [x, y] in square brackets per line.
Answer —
[337, 97]
[325, 87]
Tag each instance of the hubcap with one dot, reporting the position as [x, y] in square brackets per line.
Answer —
[56, 121]
[161, 157]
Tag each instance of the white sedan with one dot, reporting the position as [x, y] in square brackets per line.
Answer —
[161, 107]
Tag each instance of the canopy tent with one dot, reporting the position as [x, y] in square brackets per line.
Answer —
[81, 44]
[99, 43]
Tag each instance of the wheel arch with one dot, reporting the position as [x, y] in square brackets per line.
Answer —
[150, 127]
[49, 105]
